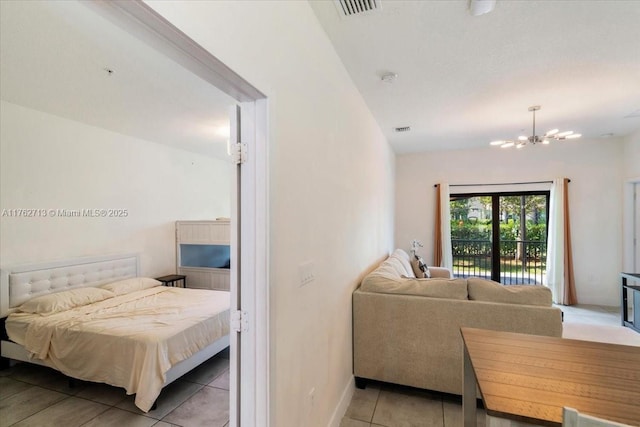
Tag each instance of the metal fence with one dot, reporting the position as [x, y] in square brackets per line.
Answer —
[521, 261]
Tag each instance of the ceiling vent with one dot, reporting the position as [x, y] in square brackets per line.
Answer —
[349, 8]
[403, 129]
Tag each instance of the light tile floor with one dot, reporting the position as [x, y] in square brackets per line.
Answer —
[32, 395]
[388, 405]
[35, 396]
[592, 314]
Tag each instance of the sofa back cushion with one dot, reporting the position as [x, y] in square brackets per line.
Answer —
[394, 267]
[434, 288]
[403, 259]
[390, 269]
[488, 290]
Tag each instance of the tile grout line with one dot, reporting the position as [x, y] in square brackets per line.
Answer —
[375, 406]
[97, 415]
[43, 409]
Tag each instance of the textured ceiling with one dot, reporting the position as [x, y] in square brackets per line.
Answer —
[54, 57]
[464, 81]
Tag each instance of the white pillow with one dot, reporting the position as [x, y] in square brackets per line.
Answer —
[65, 300]
[126, 286]
[403, 258]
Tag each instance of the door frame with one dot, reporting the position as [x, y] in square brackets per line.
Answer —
[630, 220]
[144, 22]
[496, 263]
[252, 379]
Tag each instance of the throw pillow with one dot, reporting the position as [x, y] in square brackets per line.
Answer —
[420, 268]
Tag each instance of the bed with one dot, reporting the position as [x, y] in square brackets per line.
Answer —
[96, 319]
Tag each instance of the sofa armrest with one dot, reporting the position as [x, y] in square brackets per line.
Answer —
[440, 272]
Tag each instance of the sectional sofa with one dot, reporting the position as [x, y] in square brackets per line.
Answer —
[407, 330]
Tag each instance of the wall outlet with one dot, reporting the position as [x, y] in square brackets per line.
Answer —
[306, 270]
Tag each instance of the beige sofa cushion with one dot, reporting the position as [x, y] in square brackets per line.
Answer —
[403, 258]
[390, 268]
[434, 288]
[488, 290]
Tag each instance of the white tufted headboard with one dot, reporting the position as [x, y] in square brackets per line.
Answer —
[21, 283]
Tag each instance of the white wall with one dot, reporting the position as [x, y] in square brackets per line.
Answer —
[595, 198]
[632, 156]
[48, 162]
[331, 190]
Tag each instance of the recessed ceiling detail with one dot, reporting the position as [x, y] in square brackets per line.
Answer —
[348, 8]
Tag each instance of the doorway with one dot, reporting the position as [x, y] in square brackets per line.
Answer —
[248, 277]
[636, 227]
[631, 226]
[500, 236]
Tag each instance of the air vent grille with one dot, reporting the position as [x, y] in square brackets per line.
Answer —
[347, 8]
[403, 129]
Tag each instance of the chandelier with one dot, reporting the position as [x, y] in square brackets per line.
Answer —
[535, 139]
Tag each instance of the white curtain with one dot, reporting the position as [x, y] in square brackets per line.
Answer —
[445, 229]
[555, 242]
[560, 276]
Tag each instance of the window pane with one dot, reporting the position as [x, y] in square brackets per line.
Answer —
[523, 236]
[471, 236]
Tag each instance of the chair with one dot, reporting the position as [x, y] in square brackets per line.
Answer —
[573, 418]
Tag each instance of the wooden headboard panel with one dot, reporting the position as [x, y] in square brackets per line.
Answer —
[21, 283]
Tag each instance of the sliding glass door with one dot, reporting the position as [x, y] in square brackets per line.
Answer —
[500, 236]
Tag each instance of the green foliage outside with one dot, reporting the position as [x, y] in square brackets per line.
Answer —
[471, 220]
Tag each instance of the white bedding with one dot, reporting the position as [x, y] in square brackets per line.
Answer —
[128, 341]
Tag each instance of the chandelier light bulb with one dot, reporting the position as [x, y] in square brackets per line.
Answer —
[545, 139]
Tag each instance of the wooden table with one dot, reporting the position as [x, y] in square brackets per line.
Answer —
[528, 378]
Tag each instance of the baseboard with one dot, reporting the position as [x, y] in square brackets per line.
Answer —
[343, 404]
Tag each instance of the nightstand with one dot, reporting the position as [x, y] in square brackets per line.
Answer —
[173, 280]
